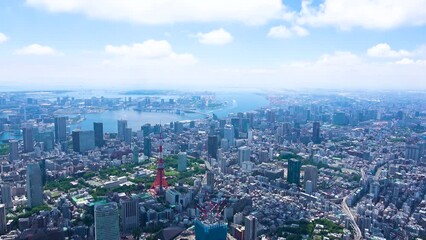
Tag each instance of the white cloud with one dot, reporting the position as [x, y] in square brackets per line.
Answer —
[284, 32]
[122, 71]
[409, 61]
[3, 38]
[369, 14]
[150, 49]
[168, 11]
[383, 50]
[339, 58]
[215, 37]
[37, 49]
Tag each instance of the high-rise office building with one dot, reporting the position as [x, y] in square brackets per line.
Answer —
[212, 146]
[293, 171]
[83, 141]
[42, 164]
[2, 219]
[146, 128]
[34, 185]
[60, 129]
[27, 135]
[147, 146]
[107, 222]
[250, 224]
[129, 214]
[235, 122]
[243, 154]
[128, 136]
[311, 174]
[121, 127]
[210, 180]
[48, 140]
[13, 150]
[6, 195]
[182, 161]
[229, 134]
[178, 127]
[245, 125]
[135, 153]
[98, 128]
[316, 133]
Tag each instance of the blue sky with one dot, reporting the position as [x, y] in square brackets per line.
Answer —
[270, 44]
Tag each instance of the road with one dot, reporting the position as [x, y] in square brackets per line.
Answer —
[347, 211]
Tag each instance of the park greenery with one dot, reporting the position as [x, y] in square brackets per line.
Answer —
[4, 149]
[170, 162]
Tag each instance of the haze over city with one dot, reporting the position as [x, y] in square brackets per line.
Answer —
[270, 44]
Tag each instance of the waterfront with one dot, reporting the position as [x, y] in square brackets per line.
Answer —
[237, 102]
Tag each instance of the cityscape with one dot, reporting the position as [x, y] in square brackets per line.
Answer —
[212, 120]
[304, 166]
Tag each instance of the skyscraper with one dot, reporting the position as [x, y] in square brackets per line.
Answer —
[83, 141]
[146, 128]
[250, 224]
[34, 185]
[98, 128]
[107, 222]
[6, 195]
[128, 136]
[60, 129]
[316, 133]
[212, 143]
[147, 146]
[42, 164]
[48, 140]
[135, 154]
[210, 180]
[14, 150]
[311, 174]
[243, 154]
[129, 214]
[121, 129]
[293, 172]
[229, 134]
[2, 219]
[27, 134]
[182, 161]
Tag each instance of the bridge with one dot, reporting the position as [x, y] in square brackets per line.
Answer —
[174, 110]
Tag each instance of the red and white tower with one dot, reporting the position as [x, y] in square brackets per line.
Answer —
[160, 182]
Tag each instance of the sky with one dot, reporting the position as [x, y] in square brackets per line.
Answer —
[206, 44]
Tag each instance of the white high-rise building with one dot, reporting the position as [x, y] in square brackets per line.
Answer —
[311, 174]
[229, 134]
[107, 222]
[238, 218]
[243, 154]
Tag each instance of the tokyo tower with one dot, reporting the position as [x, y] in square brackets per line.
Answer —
[160, 183]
